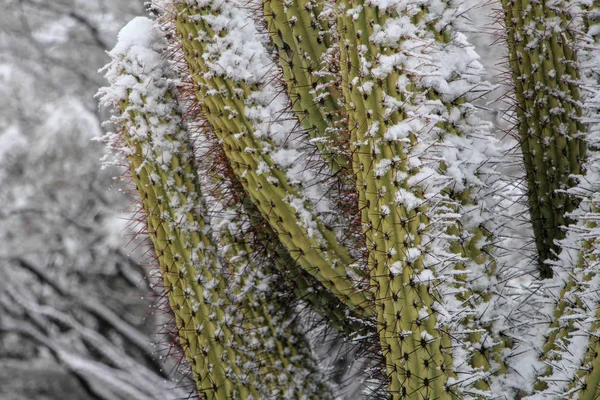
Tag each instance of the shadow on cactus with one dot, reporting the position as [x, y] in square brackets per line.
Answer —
[314, 171]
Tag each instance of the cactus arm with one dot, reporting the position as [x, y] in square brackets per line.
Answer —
[572, 347]
[303, 32]
[388, 229]
[274, 340]
[226, 101]
[201, 350]
[405, 375]
[289, 361]
[586, 382]
[224, 331]
[546, 78]
[389, 97]
[304, 35]
[588, 377]
[570, 352]
[271, 330]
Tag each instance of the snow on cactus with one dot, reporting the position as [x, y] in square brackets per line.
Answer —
[344, 139]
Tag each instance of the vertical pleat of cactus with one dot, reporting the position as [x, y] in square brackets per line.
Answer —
[231, 69]
[408, 77]
[571, 350]
[546, 82]
[239, 342]
[281, 360]
[306, 39]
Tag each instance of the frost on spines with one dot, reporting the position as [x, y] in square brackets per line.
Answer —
[303, 32]
[236, 220]
[545, 75]
[426, 181]
[307, 53]
[571, 350]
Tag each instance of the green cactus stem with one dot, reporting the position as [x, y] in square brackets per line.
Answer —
[569, 337]
[398, 112]
[302, 35]
[572, 346]
[545, 77]
[307, 47]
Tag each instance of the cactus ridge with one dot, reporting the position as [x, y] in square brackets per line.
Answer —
[244, 133]
[303, 37]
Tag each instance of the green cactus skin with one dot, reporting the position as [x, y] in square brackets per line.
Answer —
[189, 316]
[398, 306]
[576, 315]
[223, 99]
[211, 354]
[545, 77]
[262, 239]
[307, 288]
[586, 383]
[304, 34]
[395, 229]
[570, 321]
[571, 349]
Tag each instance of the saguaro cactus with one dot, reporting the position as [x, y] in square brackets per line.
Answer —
[331, 154]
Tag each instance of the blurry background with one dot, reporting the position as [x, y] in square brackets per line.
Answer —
[74, 323]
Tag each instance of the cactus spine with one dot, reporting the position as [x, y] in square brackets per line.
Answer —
[372, 112]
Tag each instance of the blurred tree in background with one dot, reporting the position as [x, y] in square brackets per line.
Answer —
[74, 323]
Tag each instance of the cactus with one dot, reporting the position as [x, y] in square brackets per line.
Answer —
[221, 323]
[331, 155]
[545, 76]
